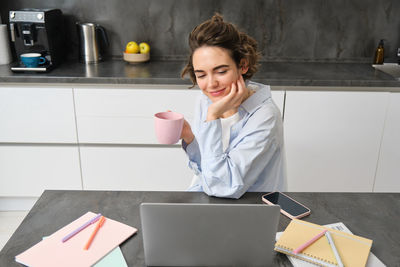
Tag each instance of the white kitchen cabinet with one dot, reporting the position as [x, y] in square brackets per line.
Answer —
[388, 171]
[38, 141]
[333, 139]
[27, 170]
[136, 168]
[37, 115]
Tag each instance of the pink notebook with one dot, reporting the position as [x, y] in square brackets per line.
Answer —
[53, 252]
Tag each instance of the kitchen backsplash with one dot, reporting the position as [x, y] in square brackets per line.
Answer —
[306, 30]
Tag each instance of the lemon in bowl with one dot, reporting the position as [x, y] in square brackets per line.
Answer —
[144, 48]
[135, 53]
[132, 48]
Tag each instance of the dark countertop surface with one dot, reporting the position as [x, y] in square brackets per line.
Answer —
[371, 215]
[116, 71]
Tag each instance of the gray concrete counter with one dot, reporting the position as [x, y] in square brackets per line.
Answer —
[372, 215]
[116, 71]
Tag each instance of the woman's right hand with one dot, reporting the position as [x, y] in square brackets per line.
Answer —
[187, 134]
[231, 101]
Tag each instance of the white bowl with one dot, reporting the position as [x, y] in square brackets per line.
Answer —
[136, 58]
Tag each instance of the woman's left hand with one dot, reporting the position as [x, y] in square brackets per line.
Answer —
[187, 133]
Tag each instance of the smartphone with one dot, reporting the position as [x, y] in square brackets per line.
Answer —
[289, 207]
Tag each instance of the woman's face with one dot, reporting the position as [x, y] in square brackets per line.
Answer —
[215, 71]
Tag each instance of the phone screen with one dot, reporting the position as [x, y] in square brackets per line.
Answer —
[286, 203]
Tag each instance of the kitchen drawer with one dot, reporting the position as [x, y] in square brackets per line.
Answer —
[125, 116]
[37, 115]
[141, 168]
[29, 170]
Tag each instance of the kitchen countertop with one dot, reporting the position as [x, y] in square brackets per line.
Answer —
[371, 215]
[116, 71]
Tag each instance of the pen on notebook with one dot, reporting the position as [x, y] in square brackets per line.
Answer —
[332, 244]
[93, 220]
[99, 224]
[309, 242]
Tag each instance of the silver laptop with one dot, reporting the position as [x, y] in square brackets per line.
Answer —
[186, 234]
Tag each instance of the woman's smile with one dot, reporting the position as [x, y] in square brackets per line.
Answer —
[218, 92]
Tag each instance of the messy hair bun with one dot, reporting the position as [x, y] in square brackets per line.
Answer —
[217, 18]
[217, 32]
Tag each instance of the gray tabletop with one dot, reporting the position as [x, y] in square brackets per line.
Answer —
[116, 71]
[371, 215]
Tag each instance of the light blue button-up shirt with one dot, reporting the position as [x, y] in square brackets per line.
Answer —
[254, 160]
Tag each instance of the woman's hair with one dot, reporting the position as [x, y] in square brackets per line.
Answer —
[217, 32]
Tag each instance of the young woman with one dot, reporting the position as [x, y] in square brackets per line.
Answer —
[236, 142]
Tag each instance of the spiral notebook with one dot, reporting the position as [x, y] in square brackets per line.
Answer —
[353, 249]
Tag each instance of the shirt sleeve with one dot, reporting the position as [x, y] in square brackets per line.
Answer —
[193, 152]
[231, 173]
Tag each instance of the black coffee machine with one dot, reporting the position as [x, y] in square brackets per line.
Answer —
[38, 31]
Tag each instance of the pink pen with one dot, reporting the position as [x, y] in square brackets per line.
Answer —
[309, 242]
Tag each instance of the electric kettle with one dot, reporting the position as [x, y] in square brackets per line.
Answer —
[92, 38]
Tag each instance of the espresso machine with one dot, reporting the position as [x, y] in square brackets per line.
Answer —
[38, 31]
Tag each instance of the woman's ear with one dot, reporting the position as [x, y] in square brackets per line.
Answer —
[243, 66]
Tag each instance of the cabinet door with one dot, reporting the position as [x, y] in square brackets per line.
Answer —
[125, 116]
[332, 139]
[135, 168]
[388, 172]
[28, 170]
[37, 115]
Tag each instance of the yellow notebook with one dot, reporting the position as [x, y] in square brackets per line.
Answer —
[353, 250]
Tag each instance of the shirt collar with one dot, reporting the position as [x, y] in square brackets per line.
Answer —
[260, 96]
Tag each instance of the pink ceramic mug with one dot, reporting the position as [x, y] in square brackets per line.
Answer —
[168, 127]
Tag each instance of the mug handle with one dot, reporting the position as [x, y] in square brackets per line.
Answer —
[42, 60]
